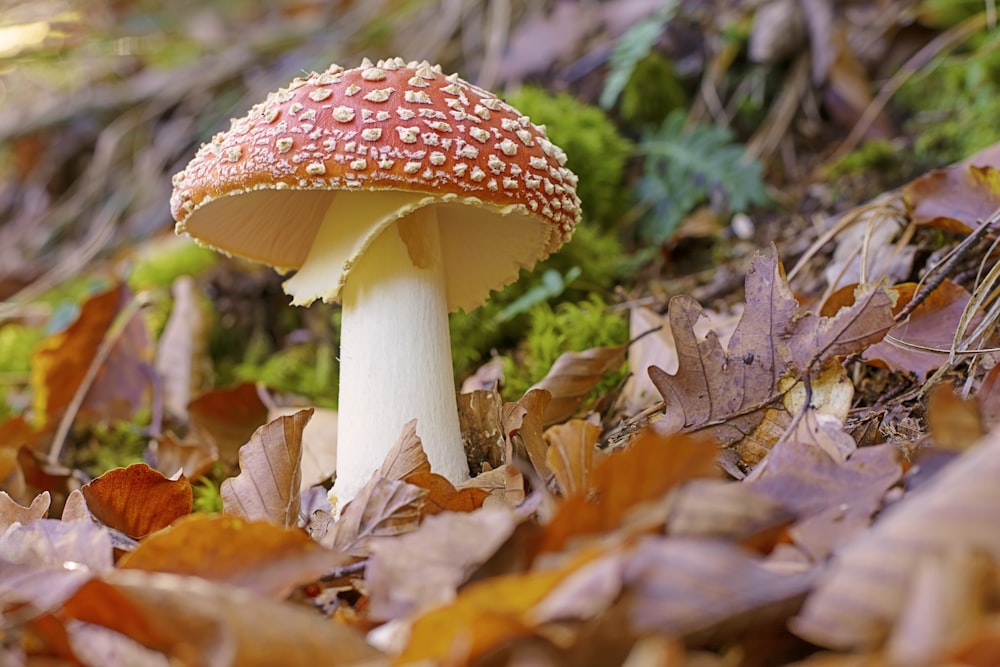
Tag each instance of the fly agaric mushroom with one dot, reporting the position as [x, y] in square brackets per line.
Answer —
[402, 193]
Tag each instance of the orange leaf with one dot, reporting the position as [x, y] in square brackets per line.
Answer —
[647, 470]
[138, 500]
[227, 418]
[256, 555]
[442, 496]
[571, 454]
[485, 614]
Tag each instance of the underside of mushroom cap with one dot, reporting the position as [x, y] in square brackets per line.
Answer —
[375, 143]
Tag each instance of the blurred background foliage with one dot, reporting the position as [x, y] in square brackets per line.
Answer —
[676, 116]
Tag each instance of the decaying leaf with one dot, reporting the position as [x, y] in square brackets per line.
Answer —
[523, 422]
[52, 542]
[319, 444]
[270, 473]
[572, 447]
[173, 456]
[861, 600]
[137, 500]
[256, 555]
[182, 358]
[424, 568]
[722, 509]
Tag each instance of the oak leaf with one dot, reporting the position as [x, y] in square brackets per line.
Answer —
[11, 512]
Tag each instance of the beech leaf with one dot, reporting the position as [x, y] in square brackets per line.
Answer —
[573, 376]
[137, 500]
[382, 508]
[270, 473]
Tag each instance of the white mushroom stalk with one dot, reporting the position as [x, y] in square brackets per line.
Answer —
[403, 193]
[395, 349]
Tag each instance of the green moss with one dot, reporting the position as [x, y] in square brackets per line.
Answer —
[955, 103]
[162, 264]
[207, 495]
[308, 369]
[110, 445]
[595, 150]
[569, 327]
[876, 155]
[652, 92]
[16, 344]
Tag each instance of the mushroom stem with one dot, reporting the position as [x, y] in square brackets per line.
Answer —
[391, 374]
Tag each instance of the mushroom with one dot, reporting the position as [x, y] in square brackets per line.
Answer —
[402, 193]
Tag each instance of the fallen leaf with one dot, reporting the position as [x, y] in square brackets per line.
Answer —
[571, 455]
[60, 363]
[319, 445]
[573, 376]
[96, 645]
[382, 508]
[137, 500]
[485, 614]
[198, 622]
[722, 509]
[424, 568]
[182, 356]
[921, 343]
[523, 423]
[689, 586]
[442, 496]
[833, 501]
[259, 556]
[406, 457]
[172, 456]
[270, 475]
[868, 587]
[52, 542]
[11, 512]
[954, 423]
[480, 415]
[956, 198]
[227, 418]
[44, 587]
[650, 467]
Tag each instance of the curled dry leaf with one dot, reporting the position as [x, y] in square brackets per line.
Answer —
[319, 444]
[523, 423]
[182, 357]
[572, 447]
[256, 555]
[11, 512]
[425, 568]
[137, 500]
[871, 583]
[172, 456]
[480, 415]
[653, 465]
[270, 473]
[573, 376]
[382, 508]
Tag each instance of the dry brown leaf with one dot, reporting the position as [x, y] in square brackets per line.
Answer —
[571, 454]
[319, 444]
[11, 512]
[406, 457]
[172, 456]
[182, 357]
[480, 415]
[44, 587]
[256, 555]
[733, 395]
[137, 500]
[442, 496]
[198, 622]
[96, 645]
[653, 465]
[573, 376]
[523, 423]
[485, 614]
[52, 542]
[871, 582]
[833, 501]
[505, 486]
[60, 362]
[910, 347]
[424, 568]
[227, 418]
[382, 508]
[954, 423]
[76, 507]
[722, 509]
[988, 397]
[684, 586]
[15, 432]
[270, 474]
[957, 198]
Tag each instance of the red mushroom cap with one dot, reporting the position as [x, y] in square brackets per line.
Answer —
[261, 189]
